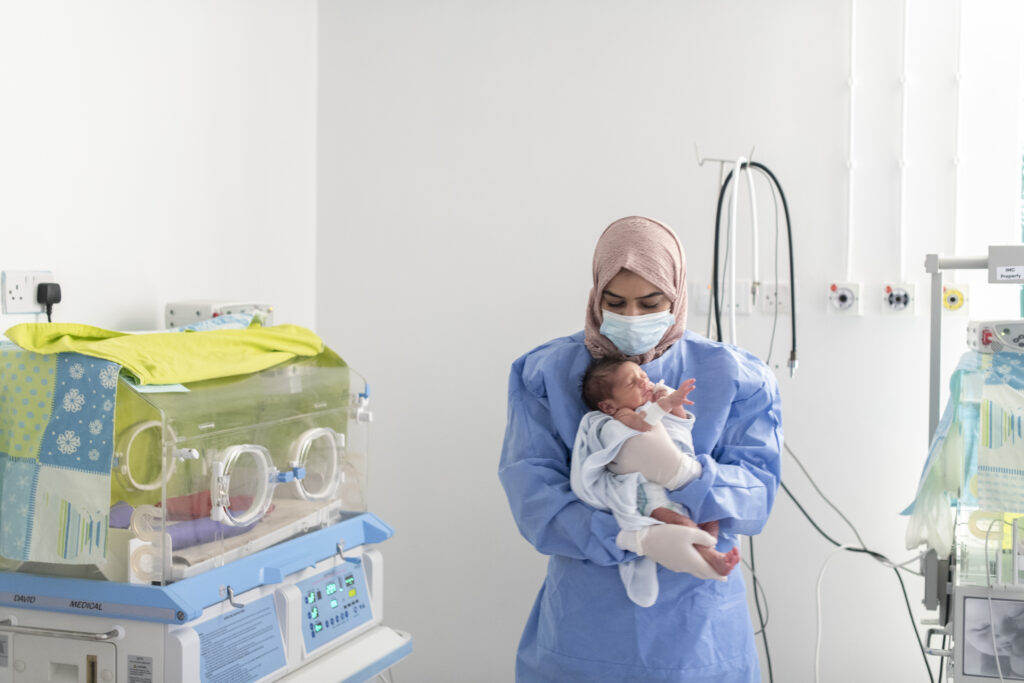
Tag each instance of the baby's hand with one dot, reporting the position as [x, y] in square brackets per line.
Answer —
[633, 419]
[678, 397]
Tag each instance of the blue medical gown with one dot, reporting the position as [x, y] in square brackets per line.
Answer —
[583, 627]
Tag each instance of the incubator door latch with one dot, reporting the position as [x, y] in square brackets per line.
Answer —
[363, 414]
[231, 599]
[219, 493]
[185, 453]
[341, 554]
[285, 477]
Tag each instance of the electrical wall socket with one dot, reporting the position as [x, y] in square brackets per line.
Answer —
[899, 297]
[701, 300]
[700, 297]
[844, 298]
[19, 290]
[744, 302]
[774, 298]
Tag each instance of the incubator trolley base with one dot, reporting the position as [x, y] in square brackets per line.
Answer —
[305, 621]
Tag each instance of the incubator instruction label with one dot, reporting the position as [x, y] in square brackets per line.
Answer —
[242, 645]
[1010, 273]
[140, 669]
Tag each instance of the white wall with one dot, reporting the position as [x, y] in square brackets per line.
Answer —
[470, 155]
[151, 152]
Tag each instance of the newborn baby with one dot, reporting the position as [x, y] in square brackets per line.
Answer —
[622, 390]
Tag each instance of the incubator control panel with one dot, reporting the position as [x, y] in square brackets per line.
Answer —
[994, 336]
[333, 603]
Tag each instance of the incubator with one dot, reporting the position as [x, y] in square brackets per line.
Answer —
[969, 507]
[214, 531]
[976, 578]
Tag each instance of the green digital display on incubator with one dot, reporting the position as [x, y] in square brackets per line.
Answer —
[311, 597]
[314, 613]
[334, 603]
[349, 580]
[332, 588]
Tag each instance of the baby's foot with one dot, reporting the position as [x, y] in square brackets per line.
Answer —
[722, 563]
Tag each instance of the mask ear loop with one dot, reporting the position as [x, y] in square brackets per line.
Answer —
[220, 481]
[300, 452]
[124, 469]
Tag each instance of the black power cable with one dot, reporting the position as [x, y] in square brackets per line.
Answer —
[880, 558]
[717, 304]
[792, 355]
[760, 618]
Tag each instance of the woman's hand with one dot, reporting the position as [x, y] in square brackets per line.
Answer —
[671, 546]
[657, 458]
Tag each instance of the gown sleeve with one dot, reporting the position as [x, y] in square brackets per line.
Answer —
[534, 470]
[741, 474]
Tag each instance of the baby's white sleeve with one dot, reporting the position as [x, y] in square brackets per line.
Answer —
[653, 413]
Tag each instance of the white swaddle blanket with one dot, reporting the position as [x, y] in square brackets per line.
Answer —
[598, 441]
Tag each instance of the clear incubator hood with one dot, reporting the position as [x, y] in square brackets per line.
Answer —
[205, 473]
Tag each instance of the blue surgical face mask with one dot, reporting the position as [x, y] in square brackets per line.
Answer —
[635, 335]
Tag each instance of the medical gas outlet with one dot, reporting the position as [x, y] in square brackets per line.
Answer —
[844, 297]
[898, 298]
[954, 298]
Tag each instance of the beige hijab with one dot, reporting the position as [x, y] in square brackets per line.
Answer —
[651, 250]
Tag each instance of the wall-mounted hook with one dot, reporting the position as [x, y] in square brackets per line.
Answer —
[701, 160]
[721, 162]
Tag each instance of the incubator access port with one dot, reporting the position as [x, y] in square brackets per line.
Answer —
[131, 474]
[317, 454]
[242, 472]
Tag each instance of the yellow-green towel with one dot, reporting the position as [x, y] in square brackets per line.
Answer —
[174, 357]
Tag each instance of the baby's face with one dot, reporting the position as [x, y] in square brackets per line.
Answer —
[631, 387]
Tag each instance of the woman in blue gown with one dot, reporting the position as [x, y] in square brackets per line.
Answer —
[583, 627]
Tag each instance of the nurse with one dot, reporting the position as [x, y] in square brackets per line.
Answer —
[583, 627]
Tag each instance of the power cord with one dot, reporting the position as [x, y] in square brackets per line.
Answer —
[758, 587]
[988, 583]
[775, 278]
[877, 556]
[762, 619]
[715, 296]
[823, 496]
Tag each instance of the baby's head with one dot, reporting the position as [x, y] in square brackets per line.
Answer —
[612, 383]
